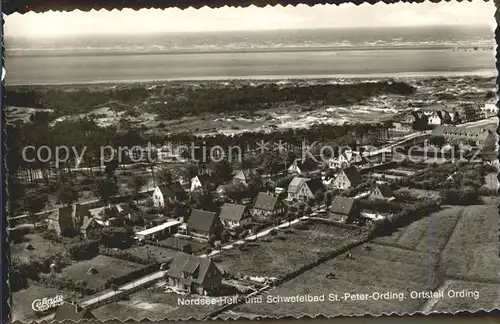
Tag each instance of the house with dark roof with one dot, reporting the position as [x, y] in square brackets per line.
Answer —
[194, 274]
[304, 188]
[67, 218]
[72, 312]
[233, 215]
[203, 224]
[91, 227]
[347, 178]
[345, 160]
[302, 167]
[268, 206]
[344, 210]
[479, 135]
[168, 193]
[381, 191]
[245, 176]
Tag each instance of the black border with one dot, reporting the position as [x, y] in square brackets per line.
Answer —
[23, 6]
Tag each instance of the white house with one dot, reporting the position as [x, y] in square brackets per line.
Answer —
[347, 178]
[345, 160]
[170, 193]
[435, 118]
[199, 182]
[302, 167]
[303, 188]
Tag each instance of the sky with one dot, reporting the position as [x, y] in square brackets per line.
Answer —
[127, 21]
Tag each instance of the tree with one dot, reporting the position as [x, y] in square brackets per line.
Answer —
[105, 190]
[67, 194]
[438, 141]
[165, 176]
[221, 170]
[225, 236]
[83, 250]
[136, 184]
[116, 237]
[34, 204]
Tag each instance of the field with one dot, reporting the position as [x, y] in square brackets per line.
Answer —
[383, 269]
[160, 254]
[177, 242]
[106, 267]
[487, 292]
[41, 247]
[154, 304]
[22, 300]
[273, 256]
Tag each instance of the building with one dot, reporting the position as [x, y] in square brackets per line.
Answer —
[200, 182]
[244, 177]
[194, 274]
[469, 112]
[159, 232]
[436, 118]
[268, 206]
[489, 110]
[168, 193]
[112, 215]
[347, 178]
[203, 224]
[233, 215]
[91, 227]
[302, 167]
[344, 210]
[478, 135]
[381, 191]
[71, 312]
[304, 188]
[67, 218]
[345, 160]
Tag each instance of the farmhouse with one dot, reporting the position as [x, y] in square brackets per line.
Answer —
[302, 167]
[200, 182]
[344, 210]
[168, 193]
[233, 215]
[347, 178]
[194, 274]
[159, 232]
[245, 176]
[304, 188]
[203, 224]
[67, 218]
[72, 312]
[381, 191]
[267, 206]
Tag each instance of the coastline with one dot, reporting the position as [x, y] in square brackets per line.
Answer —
[355, 76]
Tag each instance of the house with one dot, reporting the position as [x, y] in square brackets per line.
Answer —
[469, 112]
[168, 193]
[90, 227]
[302, 167]
[347, 178]
[268, 206]
[435, 118]
[480, 136]
[381, 191]
[159, 232]
[489, 110]
[304, 188]
[345, 160]
[447, 117]
[344, 210]
[245, 176]
[72, 312]
[233, 215]
[203, 224]
[200, 182]
[67, 218]
[194, 274]
[112, 215]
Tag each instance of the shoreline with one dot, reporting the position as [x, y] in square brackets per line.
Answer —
[396, 75]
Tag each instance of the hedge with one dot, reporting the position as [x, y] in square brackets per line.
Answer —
[133, 275]
[64, 283]
[124, 255]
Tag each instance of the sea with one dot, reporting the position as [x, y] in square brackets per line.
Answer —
[277, 54]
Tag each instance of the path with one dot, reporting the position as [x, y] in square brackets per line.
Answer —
[429, 305]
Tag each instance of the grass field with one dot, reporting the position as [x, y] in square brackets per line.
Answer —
[106, 267]
[489, 297]
[383, 269]
[160, 254]
[22, 300]
[273, 256]
[42, 247]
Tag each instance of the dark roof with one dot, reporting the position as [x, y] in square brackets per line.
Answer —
[307, 165]
[385, 190]
[201, 220]
[245, 175]
[193, 265]
[171, 190]
[265, 201]
[342, 205]
[232, 212]
[352, 174]
[68, 311]
[315, 185]
[86, 222]
[63, 216]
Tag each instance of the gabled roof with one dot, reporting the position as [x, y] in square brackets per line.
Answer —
[232, 212]
[87, 221]
[315, 185]
[352, 174]
[385, 190]
[191, 264]
[245, 175]
[68, 311]
[203, 178]
[265, 201]
[201, 220]
[305, 165]
[171, 190]
[296, 184]
[342, 205]
[63, 216]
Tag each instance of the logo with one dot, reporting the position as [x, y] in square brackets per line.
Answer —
[42, 305]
